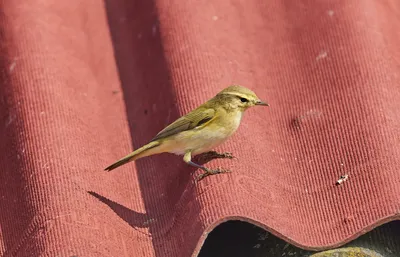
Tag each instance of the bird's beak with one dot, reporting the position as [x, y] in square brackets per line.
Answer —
[259, 102]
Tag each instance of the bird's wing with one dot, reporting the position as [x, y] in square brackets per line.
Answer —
[193, 119]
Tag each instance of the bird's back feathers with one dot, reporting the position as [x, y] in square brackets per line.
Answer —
[196, 118]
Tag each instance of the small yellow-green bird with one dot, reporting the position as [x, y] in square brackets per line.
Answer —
[201, 130]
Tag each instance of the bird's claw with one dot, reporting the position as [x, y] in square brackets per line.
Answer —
[227, 155]
[212, 172]
[208, 156]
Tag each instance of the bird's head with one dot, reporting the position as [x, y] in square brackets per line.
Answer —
[240, 97]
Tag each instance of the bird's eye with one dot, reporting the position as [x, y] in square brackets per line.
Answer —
[244, 100]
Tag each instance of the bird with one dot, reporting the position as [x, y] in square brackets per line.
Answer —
[201, 130]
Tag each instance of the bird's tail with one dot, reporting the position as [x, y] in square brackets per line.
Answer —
[139, 153]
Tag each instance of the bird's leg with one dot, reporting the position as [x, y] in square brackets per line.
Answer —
[208, 156]
[207, 172]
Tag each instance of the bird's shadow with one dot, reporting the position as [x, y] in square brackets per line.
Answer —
[133, 218]
[143, 220]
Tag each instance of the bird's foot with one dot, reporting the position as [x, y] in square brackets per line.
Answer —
[208, 156]
[225, 155]
[210, 172]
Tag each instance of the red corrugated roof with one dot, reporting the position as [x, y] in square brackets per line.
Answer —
[84, 82]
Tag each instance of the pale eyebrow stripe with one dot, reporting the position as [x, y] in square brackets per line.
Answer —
[236, 94]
